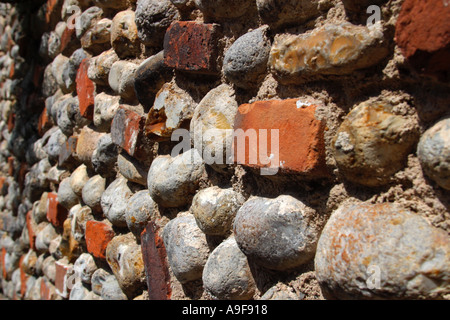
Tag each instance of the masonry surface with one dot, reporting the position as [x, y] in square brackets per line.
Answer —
[355, 117]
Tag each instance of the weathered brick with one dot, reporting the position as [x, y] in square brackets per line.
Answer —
[155, 262]
[56, 213]
[66, 155]
[69, 41]
[127, 131]
[11, 121]
[52, 13]
[98, 235]
[31, 227]
[48, 291]
[45, 123]
[23, 170]
[2, 264]
[191, 46]
[423, 35]
[62, 271]
[301, 140]
[11, 168]
[85, 91]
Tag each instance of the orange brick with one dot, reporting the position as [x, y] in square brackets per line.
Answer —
[98, 235]
[85, 91]
[301, 139]
[56, 213]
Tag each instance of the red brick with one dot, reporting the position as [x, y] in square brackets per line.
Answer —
[191, 46]
[2, 264]
[69, 41]
[11, 166]
[23, 170]
[85, 91]
[61, 271]
[3, 186]
[155, 263]
[12, 70]
[38, 76]
[11, 121]
[45, 123]
[127, 131]
[47, 291]
[423, 35]
[301, 140]
[56, 213]
[98, 235]
[53, 13]
[31, 226]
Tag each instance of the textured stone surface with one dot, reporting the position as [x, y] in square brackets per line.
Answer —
[422, 34]
[245, 62]
[104, 157]
[141, 209]
[153, 17]
[105, 107]
[70, 70]
[78, 179]
[364, 241]
[111, 290]
[214, 209]
[125, 259]
[149, 77]
[278, 13]
[334, 49]
[372, 143]
[87, 143]
[114, 202]
[223, 8]
[172, 109]
[87, 19]
[227, 274]
[191, 46]
[291, 119]
[211, 125]
[98, 235]
[79, 216]
[98, 38]
[124, 34]
[187, 249]
[434, 153]
[98, 278]
[358, 6]
[132, 170]
[66, 196]
[121, 79]
[92, 192]
[278, 233]
[85, 267]
[100, 66]
[172, 182]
